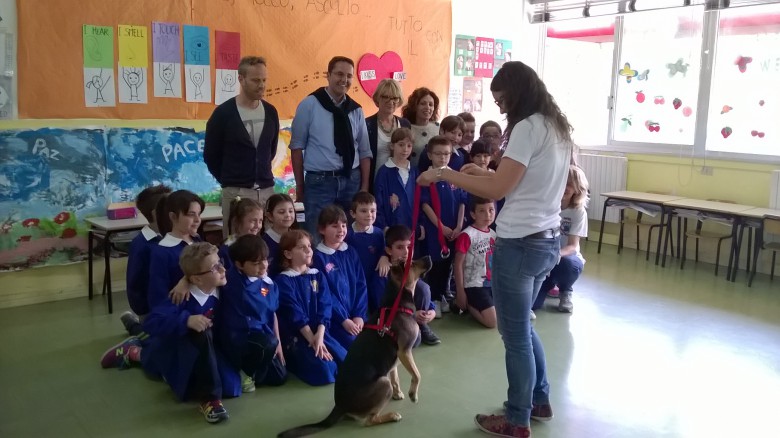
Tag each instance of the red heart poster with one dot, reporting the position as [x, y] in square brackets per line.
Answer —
[372, 69]
[483, 65]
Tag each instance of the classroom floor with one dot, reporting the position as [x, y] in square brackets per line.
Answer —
[648, 352]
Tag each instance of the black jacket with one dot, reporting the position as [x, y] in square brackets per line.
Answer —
[372, 124]
[229, 153]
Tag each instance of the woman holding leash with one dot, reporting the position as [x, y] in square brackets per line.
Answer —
[532, 177]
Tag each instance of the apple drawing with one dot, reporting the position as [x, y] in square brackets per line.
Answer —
[761, 102]
[640, 96]
[687, 111]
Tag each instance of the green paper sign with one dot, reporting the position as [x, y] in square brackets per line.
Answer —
[98, 46]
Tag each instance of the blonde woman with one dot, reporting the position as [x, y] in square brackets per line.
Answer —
[388, 99]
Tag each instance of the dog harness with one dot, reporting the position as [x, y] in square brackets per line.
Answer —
[383, 325]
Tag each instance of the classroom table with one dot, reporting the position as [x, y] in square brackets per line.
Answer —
[103, 228]
[752, 219]
[724, 209]
[654, 199]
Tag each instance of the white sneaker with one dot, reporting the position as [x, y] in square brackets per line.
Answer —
[445, 306]
[533, 315]
[438, 309]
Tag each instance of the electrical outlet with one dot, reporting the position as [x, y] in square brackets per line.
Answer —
[706, 171]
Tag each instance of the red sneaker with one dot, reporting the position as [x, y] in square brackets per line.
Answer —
[498, 425]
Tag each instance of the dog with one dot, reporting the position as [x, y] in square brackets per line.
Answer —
[368, 377]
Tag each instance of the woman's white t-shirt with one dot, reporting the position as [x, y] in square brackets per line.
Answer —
[534, 204]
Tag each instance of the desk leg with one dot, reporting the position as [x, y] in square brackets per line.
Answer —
[758, 244]
[666, 237]
[734, 248]
[732, 274]
[679, 234]
[601, 230]
[660, 236]
[107, 279]
[750, 250]
[90, 242]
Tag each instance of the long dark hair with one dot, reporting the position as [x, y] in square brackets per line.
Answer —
[409, 111]
[524, 94]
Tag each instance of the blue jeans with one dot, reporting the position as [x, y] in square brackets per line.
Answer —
[321, 191]
[563, 275]
[519, 268]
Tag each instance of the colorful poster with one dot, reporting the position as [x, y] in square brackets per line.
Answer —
[197, 64]
[166, 53]
[228, 56]
[502, 52]
[483, 64]
[133, 64]
[98, 49]
[472, 95]
[464, 55]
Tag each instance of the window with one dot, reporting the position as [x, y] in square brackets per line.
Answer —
[577, 72]
[744, 107]
[657, 82]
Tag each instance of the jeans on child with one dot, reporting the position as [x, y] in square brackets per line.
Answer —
[519, 268]
[323, 190]
[563, 275]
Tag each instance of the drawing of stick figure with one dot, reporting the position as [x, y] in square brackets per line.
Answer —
[133, 77]
[196, 76]
[98, 83]
[167, 72]
[228, 82]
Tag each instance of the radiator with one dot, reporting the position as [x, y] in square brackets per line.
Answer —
[605, 174]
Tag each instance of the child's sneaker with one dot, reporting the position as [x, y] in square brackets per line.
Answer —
[565, 305]
[214, 411]
[438, 309]
[248, 384]
[532, 315]
[428, 336]
[445, 306]
[116, 356]
[554, 292]
[498, 425]
[129, 320]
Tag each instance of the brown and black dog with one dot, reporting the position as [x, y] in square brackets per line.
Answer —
[368, 377]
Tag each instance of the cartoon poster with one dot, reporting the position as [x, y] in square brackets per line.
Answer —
[472, 95]
[133, 64]
[464, 55]
[197, 64]
[166, 53]
[228, 48]
[98, 48]
[483, 64]
[502, 52]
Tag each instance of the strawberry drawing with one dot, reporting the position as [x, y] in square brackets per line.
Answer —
[640, 96]
[725, 132]
[676, 103]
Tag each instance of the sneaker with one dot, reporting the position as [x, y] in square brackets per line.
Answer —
[129, 320]
[554, 292]
[445, 306]
[248, 384]
[565, 305]
[541, 412]
[498, 425]
[438, 309]
[533, 315]
[428, 336]
[214, 411]
[116, 356]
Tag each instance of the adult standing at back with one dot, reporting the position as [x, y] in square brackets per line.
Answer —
[381, 125]
[422, 109]
[330, 144]
[532, 177]
[241, 138]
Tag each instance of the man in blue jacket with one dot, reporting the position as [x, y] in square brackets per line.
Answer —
[241, 139]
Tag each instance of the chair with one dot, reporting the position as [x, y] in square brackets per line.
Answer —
[769, 225]
[638, 223]
[699, 234]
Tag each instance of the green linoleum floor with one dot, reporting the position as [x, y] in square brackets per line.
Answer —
[648, 352]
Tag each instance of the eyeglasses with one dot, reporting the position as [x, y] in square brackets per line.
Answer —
[390, 98]
[493, 136]
[218, 267]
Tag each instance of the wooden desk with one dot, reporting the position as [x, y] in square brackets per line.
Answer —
[725, 209]
[638, 197]
[103, 228]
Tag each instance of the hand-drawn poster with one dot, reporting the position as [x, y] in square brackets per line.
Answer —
[464, 55]
[502, 53]
[483, 65]
[7, 59]
[50, 179]
[166, 52]
[133, 64]
[98, 42]
[197, 67]
[228, 45]
[472, 95]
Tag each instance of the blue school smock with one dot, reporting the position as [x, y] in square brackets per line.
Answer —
[272, 239]
[451, 199]
[169, 353]
[370, 246]
[457, 160]
[224, 252]
[137, 278]
[347, 284]
[305, 300]
[394, 199]
[164, 270]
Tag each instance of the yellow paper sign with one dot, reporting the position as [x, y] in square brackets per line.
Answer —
[133, 46]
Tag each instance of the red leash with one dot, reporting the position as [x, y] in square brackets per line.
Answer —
[383, 325]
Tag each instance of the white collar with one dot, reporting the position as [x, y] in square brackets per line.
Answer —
[293, 273]
[149, 233]
[201, 296]
[265, 278]
[391, 164]
[276, 237]
[330, 251]
[230, 240]
[169, 241]
[370, 230]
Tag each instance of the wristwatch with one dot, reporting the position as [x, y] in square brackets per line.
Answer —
[439, 170]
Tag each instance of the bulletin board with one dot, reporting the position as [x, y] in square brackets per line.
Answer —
[297, 38]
